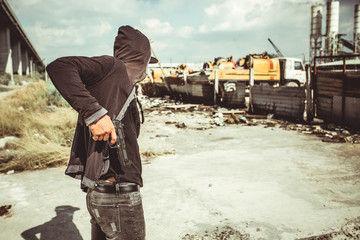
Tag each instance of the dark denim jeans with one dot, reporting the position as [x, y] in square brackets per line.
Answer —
[116, 216]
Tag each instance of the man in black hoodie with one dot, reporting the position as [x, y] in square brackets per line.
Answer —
[108, 164]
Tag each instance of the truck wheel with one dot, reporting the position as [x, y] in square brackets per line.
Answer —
[292, 84]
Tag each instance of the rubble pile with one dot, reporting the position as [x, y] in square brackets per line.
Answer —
[208, 117]
[335, 135]
[149, 103]
[351, 230]
[224, 233]
[167, 106]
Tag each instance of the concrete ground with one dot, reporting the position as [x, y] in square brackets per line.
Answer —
[205, 182]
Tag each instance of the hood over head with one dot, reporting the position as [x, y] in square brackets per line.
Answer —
[133, 49]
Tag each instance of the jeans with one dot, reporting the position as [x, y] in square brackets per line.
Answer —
[116, 216]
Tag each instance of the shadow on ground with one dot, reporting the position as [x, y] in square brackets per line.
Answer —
[60, 227]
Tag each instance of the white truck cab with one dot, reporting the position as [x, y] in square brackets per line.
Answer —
[292, 71]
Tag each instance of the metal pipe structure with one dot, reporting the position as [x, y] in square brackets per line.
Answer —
[315, 33]
[357, 29]
[332, 27]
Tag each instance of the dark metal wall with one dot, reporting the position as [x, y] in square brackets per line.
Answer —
[337, 90]
[282, 101]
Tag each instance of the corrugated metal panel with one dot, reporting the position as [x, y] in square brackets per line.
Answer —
[324, 106]
[338, 97]
[288, 102]
[235, 98]
[196, 89]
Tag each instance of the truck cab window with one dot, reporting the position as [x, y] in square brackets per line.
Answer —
[298, 66]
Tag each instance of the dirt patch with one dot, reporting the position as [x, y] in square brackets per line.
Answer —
[147, 156]
[222, 233]
[5, 211]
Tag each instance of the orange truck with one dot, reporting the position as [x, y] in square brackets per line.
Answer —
[281, 71]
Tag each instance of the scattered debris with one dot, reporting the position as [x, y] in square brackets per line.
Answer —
[233, 119]
[223, 233]
[5, 211]
[270, 116]
[161, 135]
[331, 127]
[233, 111]
[181, 125]
[182, 107]
[351, 230]
[243, 119]
[170, 122]
[270, 124]
[221, 117]
[147, 156]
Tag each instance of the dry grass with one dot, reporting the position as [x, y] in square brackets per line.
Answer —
[44, 132]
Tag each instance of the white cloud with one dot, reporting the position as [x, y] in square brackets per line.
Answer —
[186, 31]
[23, 4]
[73, 35]
[159, 45]
[101, 28]
[213, 10]
[154, 26]
[51, 36]
[234, 15]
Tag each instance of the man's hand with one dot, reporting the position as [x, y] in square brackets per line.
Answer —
[102, 129]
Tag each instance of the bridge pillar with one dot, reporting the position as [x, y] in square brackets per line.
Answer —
[5, 51]
[25, 62]
[31, 66]
[16, 57]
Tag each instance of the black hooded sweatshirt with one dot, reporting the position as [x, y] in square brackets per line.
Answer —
[95, 86]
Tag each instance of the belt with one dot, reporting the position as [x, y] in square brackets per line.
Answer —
[110, 187]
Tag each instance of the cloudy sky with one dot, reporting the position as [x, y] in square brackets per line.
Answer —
[181, 31]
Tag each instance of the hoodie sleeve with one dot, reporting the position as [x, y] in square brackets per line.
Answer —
[72, 75]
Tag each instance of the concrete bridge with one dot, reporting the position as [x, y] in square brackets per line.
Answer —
[17, 55]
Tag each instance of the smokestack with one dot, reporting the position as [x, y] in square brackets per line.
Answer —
[332, 27]
[357, 29]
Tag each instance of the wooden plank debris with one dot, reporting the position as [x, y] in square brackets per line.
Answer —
[182, 106]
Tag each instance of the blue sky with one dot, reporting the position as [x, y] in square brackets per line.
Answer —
[181, 31]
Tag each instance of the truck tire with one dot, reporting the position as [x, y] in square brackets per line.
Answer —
[292, 84]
